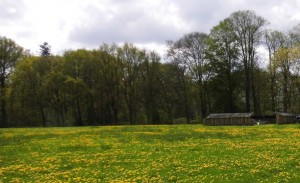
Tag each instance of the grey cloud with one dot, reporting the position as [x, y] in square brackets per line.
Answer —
[207, 14]
[132, 23]
[11, 10]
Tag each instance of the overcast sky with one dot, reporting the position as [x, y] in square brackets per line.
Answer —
[71, 24]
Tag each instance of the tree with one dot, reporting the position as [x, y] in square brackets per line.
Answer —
[274, 40]
[55, 88]
[223, 54]
[150, 86]
[168, 93]
[45, 49]
[76, 86]
[247, 27]
[107, 81]
[295, 56]
[10, 54]
[190, 51]
[28, 91]
[283, 62]
[132, 58]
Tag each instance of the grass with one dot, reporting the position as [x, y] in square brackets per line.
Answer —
[178, 153]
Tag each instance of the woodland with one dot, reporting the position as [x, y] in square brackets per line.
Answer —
[217, 72]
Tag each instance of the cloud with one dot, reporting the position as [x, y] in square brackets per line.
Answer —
[153, 21]
[135, 22]
[88, 23]
[206, 14]
[10, 11]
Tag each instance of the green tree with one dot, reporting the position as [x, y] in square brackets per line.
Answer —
[76, 86]
[108, 88]
[247, 27]
[10, 54]
[223, 54]
[132, 58]
[150, 86]
[274, 40]
[283, 64]
[55, 91]
[190, 51]
[169, 92]
[28, 91]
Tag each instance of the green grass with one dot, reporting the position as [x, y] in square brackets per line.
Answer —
[178, 153]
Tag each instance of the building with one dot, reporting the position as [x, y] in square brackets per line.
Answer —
[229, 119]
[285, 118]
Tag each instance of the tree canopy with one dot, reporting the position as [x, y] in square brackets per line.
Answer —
[219, 71]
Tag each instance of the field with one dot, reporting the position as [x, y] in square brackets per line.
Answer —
[177, 153]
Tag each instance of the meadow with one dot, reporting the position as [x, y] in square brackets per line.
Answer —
[165, 153]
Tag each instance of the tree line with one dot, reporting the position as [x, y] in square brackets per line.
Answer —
[203, 73]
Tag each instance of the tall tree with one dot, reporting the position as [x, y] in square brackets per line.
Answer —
[108, 87]
[132, 58]
[43, 66]
[76, 85]
[10, 54]
[190, 51]
[28, 88]
[150, 86]
[284, 63]
[247, 27]
[223, 55]
[274, 40]
[55, 91]
[169, 92]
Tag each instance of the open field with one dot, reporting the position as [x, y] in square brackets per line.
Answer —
[178, 153]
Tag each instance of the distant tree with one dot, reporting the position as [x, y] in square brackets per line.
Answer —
[150, 87]
[170, 92]
[75, 84]
[106, 77]
[55, 91]
[274, 40]
[28, 92]
[132, 58]
[45, 49]
[294, 35]
[223, 54]
[10, 54]
[190, 51]
[284, 62]
[247, 27]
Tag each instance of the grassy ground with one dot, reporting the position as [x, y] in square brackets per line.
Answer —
[179, 153]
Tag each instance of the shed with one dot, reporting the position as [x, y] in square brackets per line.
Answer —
[229, 119]
[285, 118]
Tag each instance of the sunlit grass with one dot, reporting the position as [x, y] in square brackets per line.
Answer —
[178, 153]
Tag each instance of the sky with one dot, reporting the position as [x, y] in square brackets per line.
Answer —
[73, 24]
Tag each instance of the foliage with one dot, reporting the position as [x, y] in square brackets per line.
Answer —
[122, 84]
[45, 49]
[10, 54]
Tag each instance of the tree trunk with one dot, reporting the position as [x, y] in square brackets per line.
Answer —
[247, 89]
[285, 93]
[273, 94]
[79, 115]
[3, 102]
[42, 114]
[3, 111]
